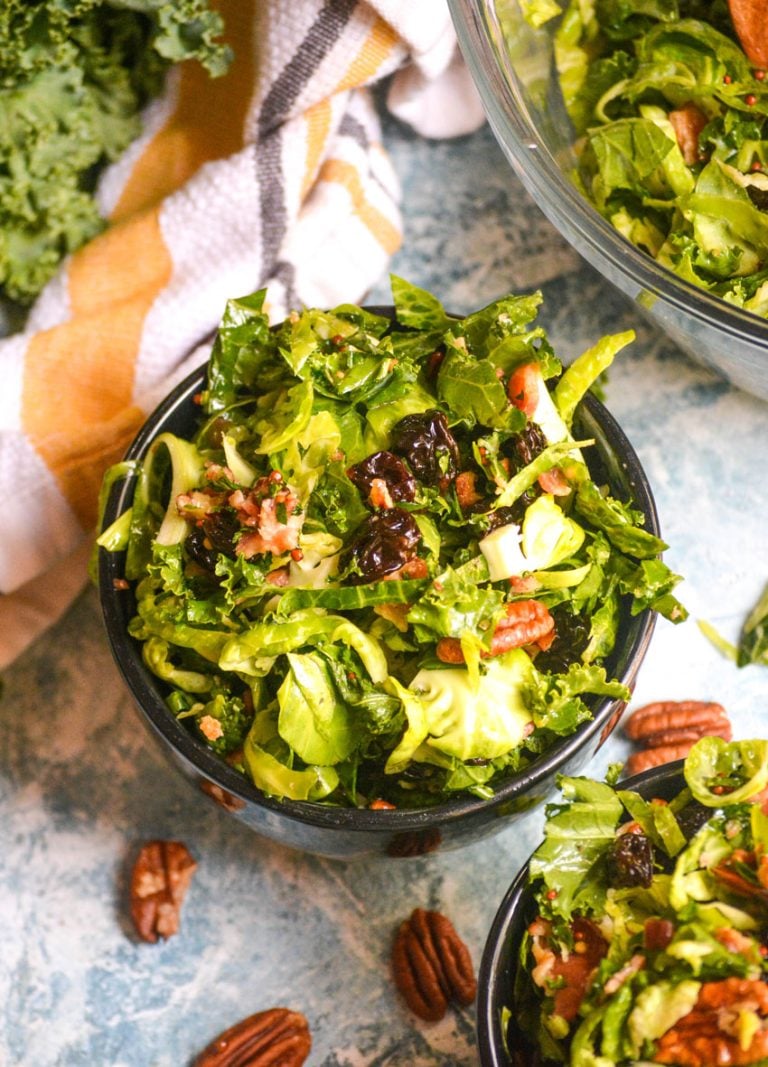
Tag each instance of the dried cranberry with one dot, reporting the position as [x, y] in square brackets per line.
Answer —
[631, 860]
[692, 818]
[215, 536]
[389, 468]
[572, 634]
[522, 448]
[383, 543]
[501, 517]
[429, 446]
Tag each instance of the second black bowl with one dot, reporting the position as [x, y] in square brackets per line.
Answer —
[501, 1041]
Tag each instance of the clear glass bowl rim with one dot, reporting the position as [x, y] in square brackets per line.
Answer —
[481, 42]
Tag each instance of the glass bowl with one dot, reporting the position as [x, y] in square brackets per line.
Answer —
[512, 66]
[349, 832]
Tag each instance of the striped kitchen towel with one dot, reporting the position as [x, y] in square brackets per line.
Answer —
[272, 175]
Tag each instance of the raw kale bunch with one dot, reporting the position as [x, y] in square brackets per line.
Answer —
[74, 75]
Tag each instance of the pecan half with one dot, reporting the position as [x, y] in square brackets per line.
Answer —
[432, 965]
[524, 622]
[159, 881]
[668, 730]
[674, 715]
[750, 20]
[277, 1037]
[654, 757]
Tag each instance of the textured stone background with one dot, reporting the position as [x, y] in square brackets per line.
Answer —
[81, 782]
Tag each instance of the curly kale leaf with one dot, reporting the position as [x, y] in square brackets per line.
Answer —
[73, 79]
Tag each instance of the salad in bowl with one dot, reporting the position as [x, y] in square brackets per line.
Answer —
[383, 572]
[638, 934]
[669, 105]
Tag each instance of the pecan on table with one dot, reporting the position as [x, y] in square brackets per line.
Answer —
[160, 879]
[750, 20]
[277, 1037]
[431, 965]
[668, 729]
[664, 715]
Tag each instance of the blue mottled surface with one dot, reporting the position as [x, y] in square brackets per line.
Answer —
[81, 782]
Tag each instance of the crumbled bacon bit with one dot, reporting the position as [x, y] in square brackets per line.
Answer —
[216, 471]
[198, 504]
[210, 728]
[380, 496]
[523, 387]
[280, 576]
[555, 482]
[276, 525]
[523, 583]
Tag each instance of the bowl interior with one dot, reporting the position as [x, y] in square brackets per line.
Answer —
[613, 461]
[513, 67]
[501, 1040]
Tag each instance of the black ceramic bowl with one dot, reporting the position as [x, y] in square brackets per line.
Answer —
[499, 964]
[349, 832]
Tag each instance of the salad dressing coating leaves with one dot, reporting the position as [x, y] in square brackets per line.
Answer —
[326, 538]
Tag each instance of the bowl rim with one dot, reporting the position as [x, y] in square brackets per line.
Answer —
[481, 42]
[142, 685]
[489, 999]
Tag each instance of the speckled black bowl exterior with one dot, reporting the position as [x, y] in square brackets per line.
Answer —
[348, 832]
[508, 1046]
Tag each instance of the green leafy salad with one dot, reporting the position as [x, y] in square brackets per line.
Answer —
[381, 572]
[650, 935]
[672, 125]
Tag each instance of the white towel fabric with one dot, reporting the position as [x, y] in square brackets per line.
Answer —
[273, 175]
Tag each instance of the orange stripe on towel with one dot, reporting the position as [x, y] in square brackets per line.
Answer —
[78, 377]
[318, 124]
[378, 45]
[77, 408]
[207, 123]
[345, 174]
[375, 49]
